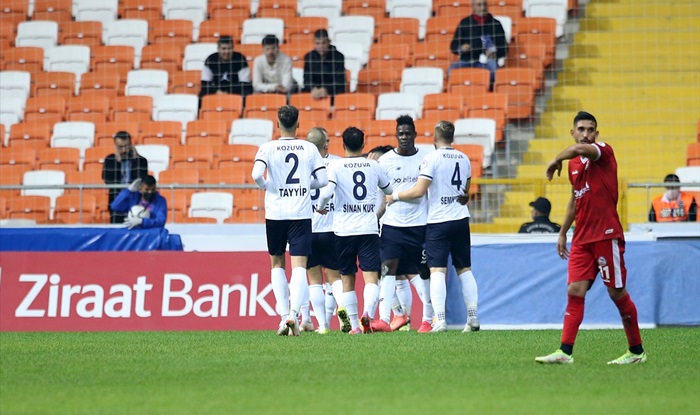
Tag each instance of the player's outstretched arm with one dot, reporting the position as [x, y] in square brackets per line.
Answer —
[319, 178]
[419, 190]
[258, 174]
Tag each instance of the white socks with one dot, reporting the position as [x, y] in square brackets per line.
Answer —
[438, 293]
[337, 290]
[298, 286]
[470, 293]
[386, 295]
[280, 288]
[350, 304]
[370, 297]
[318, 301]
[330, 303]
[405, 296]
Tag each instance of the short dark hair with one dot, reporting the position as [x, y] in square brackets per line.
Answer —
[381, 149]
[288, 115]
[585, 116]
[321, 34]
[270, 40]
[148, 180]
[353, 139]
[405, 120]
[122, 135]
[672, 178]
[224, 40]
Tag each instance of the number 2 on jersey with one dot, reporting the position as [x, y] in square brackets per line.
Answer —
[290, 178]
[456, 179]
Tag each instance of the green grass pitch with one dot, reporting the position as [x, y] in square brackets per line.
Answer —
[489, 372]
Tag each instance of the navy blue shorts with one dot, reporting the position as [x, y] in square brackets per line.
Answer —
[402, 242]
[362, 247]
[323, 251]
[412, 265]
[296, 232]
[443, 239]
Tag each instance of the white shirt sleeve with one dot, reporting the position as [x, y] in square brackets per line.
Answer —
[244, 75]
[207, 74]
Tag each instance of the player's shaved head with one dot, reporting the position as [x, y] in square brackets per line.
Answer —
[445, 131]
[318, 137]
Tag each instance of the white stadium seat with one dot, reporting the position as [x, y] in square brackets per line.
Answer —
[196, 54]
[150, 82]
[15, 84]
[158, 156]
[104, 11]
[689, 174]
[354, 29]
[44, 177]
[176, 107]
[69, 58]
[11, 111]
[481, 131]
[74, 134]
[193, 10]
[507, 24]
[391, 105]
[556, 9]
[217, 205]
[251, 131]
[421, 81]
[419, 9]
[329, 9]
[254, 30]
[43, 34]
[128, 32]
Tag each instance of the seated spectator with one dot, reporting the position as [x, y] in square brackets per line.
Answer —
[673, 205]
[122, 167]
[142, 204]
[272, 71]
[324, 68]
[540, 218]
[226, 71]
[480, 41]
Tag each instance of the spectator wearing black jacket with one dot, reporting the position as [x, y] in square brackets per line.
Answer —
[324, 68]
[124, 166]
[540, 218]
[480, 41]
[226, 71]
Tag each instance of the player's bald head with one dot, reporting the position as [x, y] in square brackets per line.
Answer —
[318, 137]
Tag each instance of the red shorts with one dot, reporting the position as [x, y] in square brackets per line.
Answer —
[606, 257]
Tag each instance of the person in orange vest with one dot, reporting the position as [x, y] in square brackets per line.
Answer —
[673, 205]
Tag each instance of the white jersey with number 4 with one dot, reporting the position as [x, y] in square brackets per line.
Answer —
[290, 163]
[448, 170]
[357, 181]
[403, 173]
[323, 223]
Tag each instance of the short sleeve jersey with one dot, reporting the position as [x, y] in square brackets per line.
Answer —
[290, 163]
[403, 173]
[448, 170]
[323, 223]
[357, 180]
[594, 185]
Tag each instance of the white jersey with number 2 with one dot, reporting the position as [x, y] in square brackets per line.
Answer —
[290, 163]
[448, 170]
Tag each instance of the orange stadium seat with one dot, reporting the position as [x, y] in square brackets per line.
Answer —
[191, 156]
[277, 8]
[529, 55]
[80, 33]
[105, 131]
[396, 30]
[132, 108]
[442, 28]
[54, 83]
[435, 54]
[311, 109]
[506, 8]
[519, 84]
[250, 51]
[57, 10]
[301, 29]
[29, 134]
[14, 12]
[75, 208]
[47, 109]
[162, 56]
[161, 132]
[179, 176]
[353, 106]
[538, 30]
[35, 208]
[3, 207]
[492, 105]
[25, 58]
[93, 108]
[379, 133]
[335, 127]
[19, 156]
[151, 10]
[425, 131]
[100, 83]
[230, 173]
[211, 30]
[443, 106]
[374, 8]
[186, 82]
[117, 57]
[7, 36]
[232, 10]
[170, 32]
[390, 56]
[12, 175]
[378, 81]
[226, 107]
[263, 106]
[95, 157]
[452, 7]
[296, 52]
[209, 132]
[59, 158]
[236, 153]
[469, 81]
[693, 158]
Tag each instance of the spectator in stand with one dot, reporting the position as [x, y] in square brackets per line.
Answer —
[480, 41]
[142, 204]
[540, 218]
[122, 167]
[673, 205]
[324, 68]
[226, 71]
[272, 71]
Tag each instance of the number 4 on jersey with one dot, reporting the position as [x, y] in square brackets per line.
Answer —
[456, 179]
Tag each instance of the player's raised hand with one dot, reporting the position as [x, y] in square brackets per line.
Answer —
[554, 166]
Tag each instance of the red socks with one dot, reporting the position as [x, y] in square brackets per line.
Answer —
[572, 319]
[628, 313]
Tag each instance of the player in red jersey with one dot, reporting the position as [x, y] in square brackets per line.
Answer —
[598, 245]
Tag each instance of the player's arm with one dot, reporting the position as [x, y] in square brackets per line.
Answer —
[419, 190]
[463, 199]
[258, 174]
[565, 226]
[586, 150]
[319, 178]
[325, 196]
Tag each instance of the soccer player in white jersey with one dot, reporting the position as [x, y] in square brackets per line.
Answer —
[355, 182]
[445, 175]
[403, 225]
[293, 167]
[323, 252]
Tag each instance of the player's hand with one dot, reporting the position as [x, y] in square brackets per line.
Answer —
[134, 186]
[389, 200]
[554, 166]
[321, 211]
[562, 250]
[132, 222]
[463, 199]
